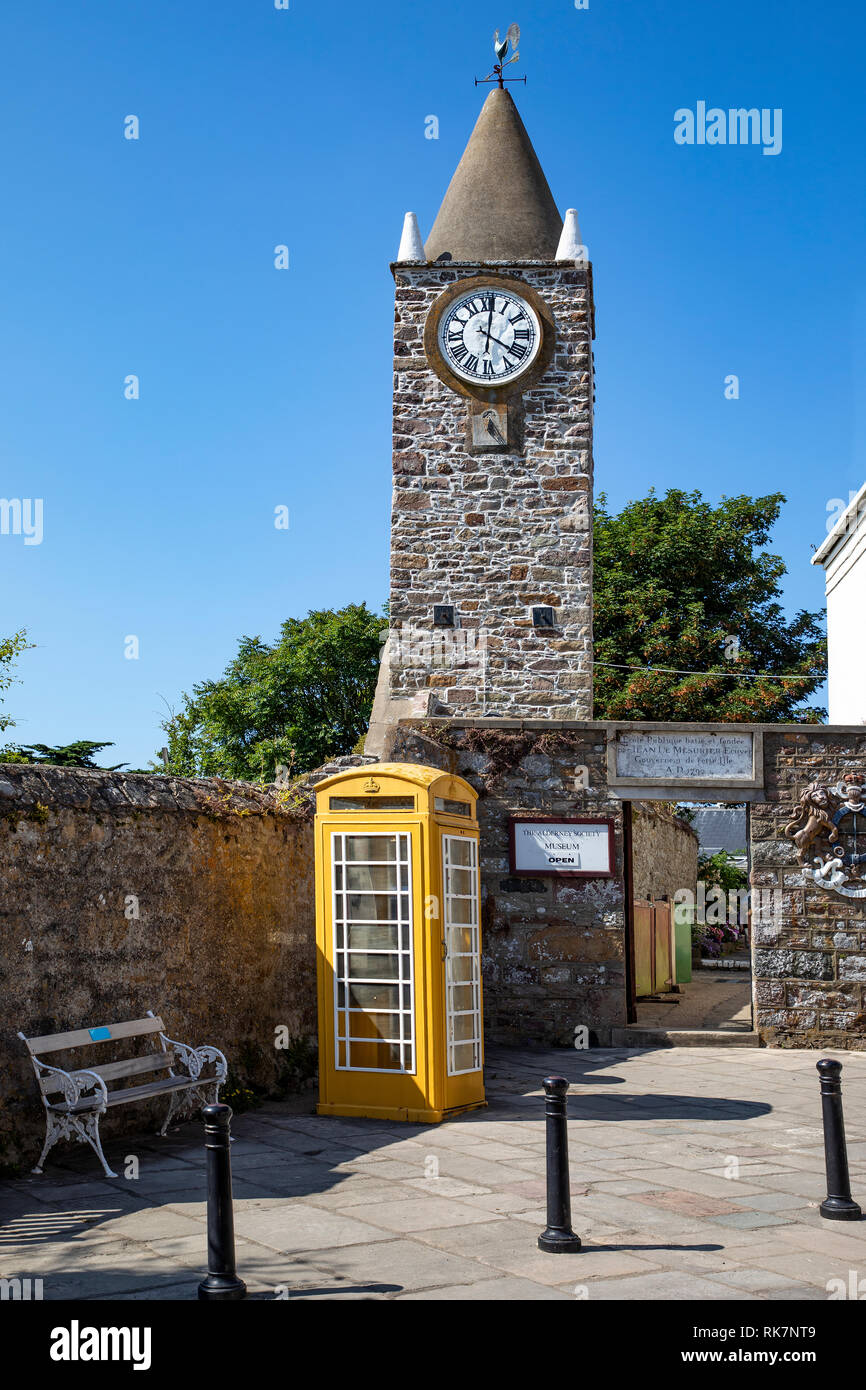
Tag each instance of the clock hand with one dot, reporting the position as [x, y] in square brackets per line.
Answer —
[490, 338]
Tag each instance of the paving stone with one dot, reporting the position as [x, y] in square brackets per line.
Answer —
[446, 1187]
[519, 1256]
[798, 1184]
[152, 1223]
[799, 1293]
[759, 1281]
[358, 1192]
[422, 1213]
[812, 1268]
[847, 1239]
[164, 1180]
[667, 1285]
[304, 1227]
[474, 1170]
[381, 1168]
[505, 1202]
[750, 1220]
[165, 1292]
[190, 1250]
[111, 1268]
[70, 1189]
[404, 1264]
[533, 1216]
[621, 1187]
[490, 1290]
[689, 1203]
[780, 1201]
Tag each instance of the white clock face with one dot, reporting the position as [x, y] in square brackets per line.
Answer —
[489, 336]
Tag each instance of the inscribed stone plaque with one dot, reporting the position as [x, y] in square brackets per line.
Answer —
[685, 757]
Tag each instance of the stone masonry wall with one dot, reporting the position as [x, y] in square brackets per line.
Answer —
[664, 853]
[223, 944]
[494, 534]
[809, 943]
[553, 949]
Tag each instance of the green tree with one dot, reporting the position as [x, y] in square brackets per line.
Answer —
[299, 702]
[682, 584]
[722, 871]
[80, 754]
[10, 648]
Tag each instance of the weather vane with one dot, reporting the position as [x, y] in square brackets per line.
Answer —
[500, 48]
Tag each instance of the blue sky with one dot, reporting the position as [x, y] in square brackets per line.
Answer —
[261, 388]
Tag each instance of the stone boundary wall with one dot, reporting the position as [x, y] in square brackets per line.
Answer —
[554, 950]
[122, 893]
[809, 943]
[664, 852]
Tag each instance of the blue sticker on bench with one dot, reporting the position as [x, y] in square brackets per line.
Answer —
[99, 1034]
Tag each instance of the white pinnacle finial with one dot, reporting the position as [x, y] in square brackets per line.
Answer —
[570, 247]
[411, 245]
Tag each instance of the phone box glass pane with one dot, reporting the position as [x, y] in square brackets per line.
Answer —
[375, 1056]
[374, 996]
[365, 878]
[371, 847]
[464, 1027]
[462, 997]
[461, 881]
[461, 910]
[373, 936]
[460, 968]
[385, 1027]
[365, 967]
[465, 1057]
[371, 907]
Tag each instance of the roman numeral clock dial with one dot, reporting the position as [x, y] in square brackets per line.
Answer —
[489, 337]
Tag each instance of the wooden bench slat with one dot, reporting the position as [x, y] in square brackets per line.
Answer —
[153, 1088]
[154, 1061]
[81, 1037]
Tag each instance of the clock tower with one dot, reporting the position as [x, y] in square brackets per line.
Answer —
[491, 540]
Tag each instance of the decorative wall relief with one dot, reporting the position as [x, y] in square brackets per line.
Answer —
[829, 831]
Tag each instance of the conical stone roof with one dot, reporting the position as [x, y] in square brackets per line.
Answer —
[499, 206]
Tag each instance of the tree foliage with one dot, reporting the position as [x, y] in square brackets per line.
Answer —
[78, 754]
[298, 702]
[682, 584]
[722, 871]
[10, 647]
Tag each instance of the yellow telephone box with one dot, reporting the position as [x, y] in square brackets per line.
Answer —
[399, 948]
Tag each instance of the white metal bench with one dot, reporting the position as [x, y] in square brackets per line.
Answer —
[85, 1092]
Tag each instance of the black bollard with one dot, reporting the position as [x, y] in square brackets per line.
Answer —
[222, 1282]
[839, 1204]
[559, 1237]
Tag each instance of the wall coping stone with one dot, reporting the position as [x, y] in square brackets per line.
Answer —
[26, 785]
[807, 731]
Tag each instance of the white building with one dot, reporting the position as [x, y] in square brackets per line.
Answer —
[843, 555]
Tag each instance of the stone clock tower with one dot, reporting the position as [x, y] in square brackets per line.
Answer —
[491, 541]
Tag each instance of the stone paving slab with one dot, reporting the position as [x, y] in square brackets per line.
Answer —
[696, 1173]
